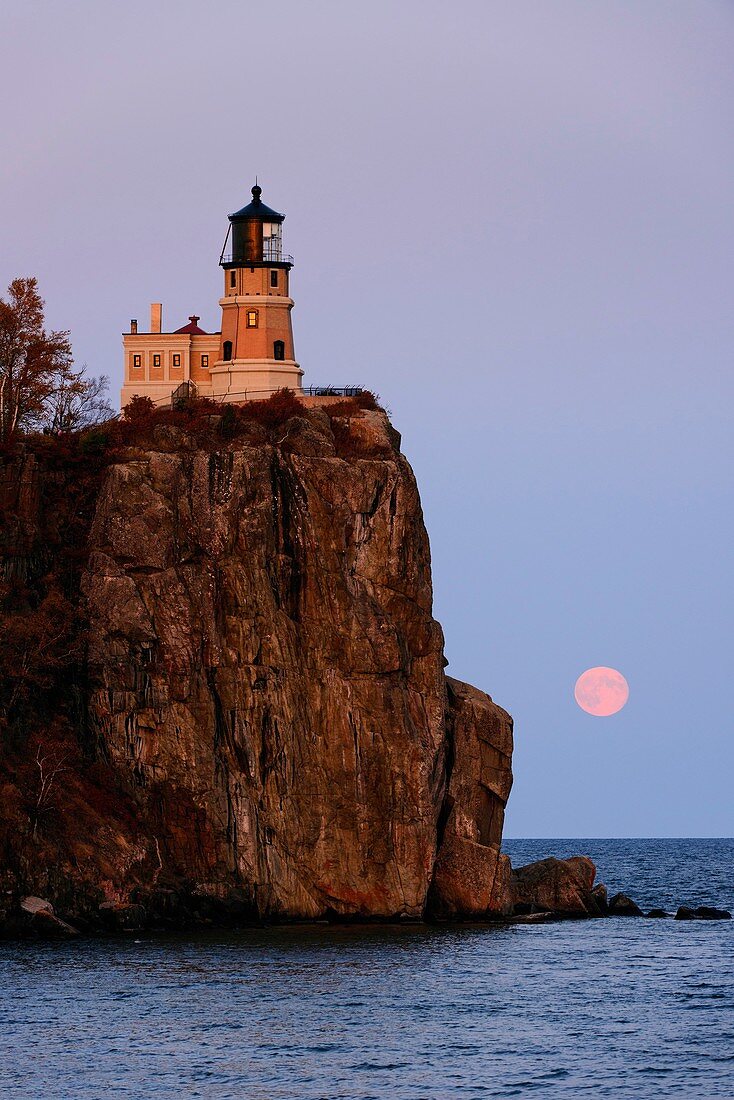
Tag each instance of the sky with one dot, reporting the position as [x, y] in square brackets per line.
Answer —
[513, 221]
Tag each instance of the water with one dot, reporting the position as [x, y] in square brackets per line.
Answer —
[657, 874]
[622, 1008]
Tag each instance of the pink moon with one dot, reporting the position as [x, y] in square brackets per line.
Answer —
[601, 691]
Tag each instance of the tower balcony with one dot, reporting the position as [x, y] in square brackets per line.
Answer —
[270, 257]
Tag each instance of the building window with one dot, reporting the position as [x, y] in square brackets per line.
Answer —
[176, 360]
[137, 361]
[233, 278]
[278, 350]
[156, 360]
[252, 318]
[274, 276]
[227, 350]
[205, 362]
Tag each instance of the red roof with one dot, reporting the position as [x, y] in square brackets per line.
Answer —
[192, 328]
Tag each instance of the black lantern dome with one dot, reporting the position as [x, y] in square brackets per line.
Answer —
[257, 239]
[257, 209]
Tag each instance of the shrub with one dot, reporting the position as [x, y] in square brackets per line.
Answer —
[138, 410]
[274, 411]
[367, 400]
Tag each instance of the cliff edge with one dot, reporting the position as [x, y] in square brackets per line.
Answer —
[244, 712]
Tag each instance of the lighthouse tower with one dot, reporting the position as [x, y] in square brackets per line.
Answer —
[256, 355]
[252, 356]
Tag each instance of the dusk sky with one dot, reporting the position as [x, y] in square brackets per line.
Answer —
[513, 221]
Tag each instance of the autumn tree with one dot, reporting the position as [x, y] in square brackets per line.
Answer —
[38, 384]
[76, 403]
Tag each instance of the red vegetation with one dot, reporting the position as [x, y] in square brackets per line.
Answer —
[353, 406]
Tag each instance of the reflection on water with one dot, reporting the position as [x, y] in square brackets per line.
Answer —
[623, 1008]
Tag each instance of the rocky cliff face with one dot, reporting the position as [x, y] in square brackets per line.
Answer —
[262, 719]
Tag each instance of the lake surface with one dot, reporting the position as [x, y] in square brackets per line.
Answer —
[608, 1008]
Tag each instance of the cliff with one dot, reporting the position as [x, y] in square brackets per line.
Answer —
[236, 695]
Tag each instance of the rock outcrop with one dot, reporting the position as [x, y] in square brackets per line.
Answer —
[564, 887]
[471, 877]
[262, 727]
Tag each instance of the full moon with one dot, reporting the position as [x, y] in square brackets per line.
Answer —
[601, 691]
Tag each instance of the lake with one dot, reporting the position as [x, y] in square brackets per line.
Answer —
[617, 1007]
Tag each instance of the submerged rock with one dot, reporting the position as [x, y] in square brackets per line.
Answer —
[703, 912]
[658, 913]
[622, 906]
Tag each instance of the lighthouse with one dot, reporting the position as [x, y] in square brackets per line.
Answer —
[252, 355]
[256, 351]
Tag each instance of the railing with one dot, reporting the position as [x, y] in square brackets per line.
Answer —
[333, 391]
[269, 257]
[183, 393]
[178, 396]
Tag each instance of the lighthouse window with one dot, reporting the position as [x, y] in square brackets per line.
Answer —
[278, 350]
[137, 361]
[274, 277]
[252, 318]
[156, 360]
[233, 278]
[205, 362]
[227, 350]
[177, 360]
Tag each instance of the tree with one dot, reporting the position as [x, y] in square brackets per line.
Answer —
[50, 767]
[33, 363]
[37, 647]
[76, 403]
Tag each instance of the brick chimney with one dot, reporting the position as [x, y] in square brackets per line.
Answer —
[156, 316]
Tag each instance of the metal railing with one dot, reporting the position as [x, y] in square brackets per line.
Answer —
[270, 256]
[187, 391]
[183, 393]
[333, 391]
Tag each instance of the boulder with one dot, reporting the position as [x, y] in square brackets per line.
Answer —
[33, 905]
[706, 912]
[659, 913]
[39, 915]
[564, 887]
[703, 912]
[533, 918]
[622, 906]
